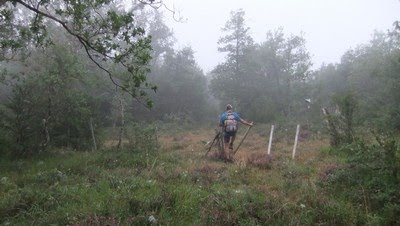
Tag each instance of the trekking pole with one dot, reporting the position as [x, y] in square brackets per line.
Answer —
[221, 145]
[244, 137]
[212, 144]
[222, 139]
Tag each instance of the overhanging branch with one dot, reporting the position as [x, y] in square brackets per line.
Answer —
[85, 43]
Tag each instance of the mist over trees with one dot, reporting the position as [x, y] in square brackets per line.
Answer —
[100, 80]
[105, 29]
[369, 72]
[51, 93]
[268, 82]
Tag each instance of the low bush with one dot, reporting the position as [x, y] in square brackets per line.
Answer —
[143, 137]
[370, 178]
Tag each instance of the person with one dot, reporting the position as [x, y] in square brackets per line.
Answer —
[229, 123]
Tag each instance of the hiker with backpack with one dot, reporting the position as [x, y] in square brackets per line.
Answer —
[229, 123]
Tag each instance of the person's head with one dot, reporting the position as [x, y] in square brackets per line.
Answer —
[229, 107]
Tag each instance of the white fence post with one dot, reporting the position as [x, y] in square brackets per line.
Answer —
[295, 141]
[270, 139]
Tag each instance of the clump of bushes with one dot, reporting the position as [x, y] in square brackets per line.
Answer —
[370, 178]
[142, 137]
[341, 123]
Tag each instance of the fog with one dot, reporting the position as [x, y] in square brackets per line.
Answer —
[114, 113]
[330, 27]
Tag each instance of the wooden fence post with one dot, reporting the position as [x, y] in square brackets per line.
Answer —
[270, 139]
[295, 141]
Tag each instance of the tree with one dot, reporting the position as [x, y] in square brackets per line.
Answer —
[370, 71]
[228, 77]
[162, 37]
[51, 104]
[270, 80]
[237, 41]
[182, 93]
[105, 30]
[286, 63]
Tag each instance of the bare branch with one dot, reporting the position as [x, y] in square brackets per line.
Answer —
[158, 4]
[109, 74]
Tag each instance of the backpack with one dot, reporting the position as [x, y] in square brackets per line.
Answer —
[230, 122]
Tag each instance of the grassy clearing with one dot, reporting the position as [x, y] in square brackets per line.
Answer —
[176, 185]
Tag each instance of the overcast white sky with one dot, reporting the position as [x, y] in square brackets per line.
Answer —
[330, 26]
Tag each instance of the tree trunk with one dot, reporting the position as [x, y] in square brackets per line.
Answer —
[331, 124]
[46, 120]
[92, 132]
[69, 137]
[237, 57]
[46, 133]
[121, 132]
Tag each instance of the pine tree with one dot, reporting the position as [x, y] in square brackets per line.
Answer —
[237, 40]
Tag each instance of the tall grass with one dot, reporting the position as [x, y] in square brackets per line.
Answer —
[176, 185]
